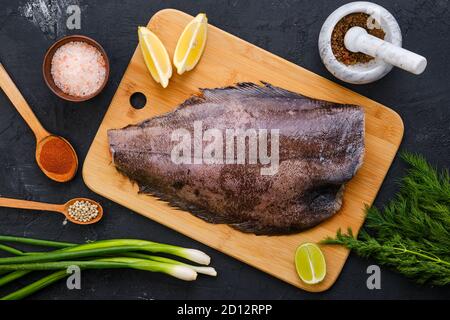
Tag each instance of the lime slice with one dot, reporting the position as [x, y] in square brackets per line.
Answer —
[191, 44]
[310, 263]
[155, 56]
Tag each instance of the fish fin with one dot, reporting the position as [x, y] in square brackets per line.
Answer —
[195, 99]
[258, 229]
[174, 202]
[280, 92]
[248, 226]
[209, 217]
[275, 92]
[247, 89]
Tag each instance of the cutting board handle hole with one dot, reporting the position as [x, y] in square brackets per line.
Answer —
[138, 100]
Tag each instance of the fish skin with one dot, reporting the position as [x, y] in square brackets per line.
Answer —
[321, 148]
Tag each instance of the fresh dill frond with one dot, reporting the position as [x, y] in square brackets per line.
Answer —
[412, 233]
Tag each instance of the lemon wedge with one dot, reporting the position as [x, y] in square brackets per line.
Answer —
[310, 263]
[191, 44]
[155, 56]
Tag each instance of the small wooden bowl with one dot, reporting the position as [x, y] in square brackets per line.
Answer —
[47, 66]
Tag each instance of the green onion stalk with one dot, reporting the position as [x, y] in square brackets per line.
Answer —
[175, 270]
[199, 269]
[104, 254]
[36, 242]
[12, 276]
[36, 286]
[203, 270]
[107, 247]
[10, 250]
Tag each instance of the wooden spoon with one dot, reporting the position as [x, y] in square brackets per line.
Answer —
[42, 135]
[61, 208]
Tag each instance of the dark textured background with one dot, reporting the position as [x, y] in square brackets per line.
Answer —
[287, 28]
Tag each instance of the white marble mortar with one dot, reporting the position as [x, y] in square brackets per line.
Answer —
[364, 72]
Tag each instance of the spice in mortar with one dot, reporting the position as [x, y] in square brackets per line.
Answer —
[341, 53]
[57, 156]
[83, 211]
[78, 69]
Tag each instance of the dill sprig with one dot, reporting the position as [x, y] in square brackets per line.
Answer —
[412, 233]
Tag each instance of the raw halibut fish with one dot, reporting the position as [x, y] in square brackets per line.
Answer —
[321, 146]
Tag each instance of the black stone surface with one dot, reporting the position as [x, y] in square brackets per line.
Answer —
[287, 28]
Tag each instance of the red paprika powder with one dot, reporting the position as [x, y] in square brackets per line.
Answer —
[57, 156]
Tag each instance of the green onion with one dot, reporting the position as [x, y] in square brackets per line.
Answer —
[107, 247]
[36, 286]
[96, 255]
[178, 271]
[203, 270]
[10, 250]
[12, 276]
[36, 242]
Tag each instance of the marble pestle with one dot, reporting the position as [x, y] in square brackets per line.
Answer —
[358, 40]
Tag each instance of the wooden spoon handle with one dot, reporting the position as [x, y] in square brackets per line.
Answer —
[21, 105]
[33, 205]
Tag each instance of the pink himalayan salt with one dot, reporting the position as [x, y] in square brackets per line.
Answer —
[78, 69]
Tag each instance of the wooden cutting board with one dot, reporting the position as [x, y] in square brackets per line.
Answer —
[227, 60]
